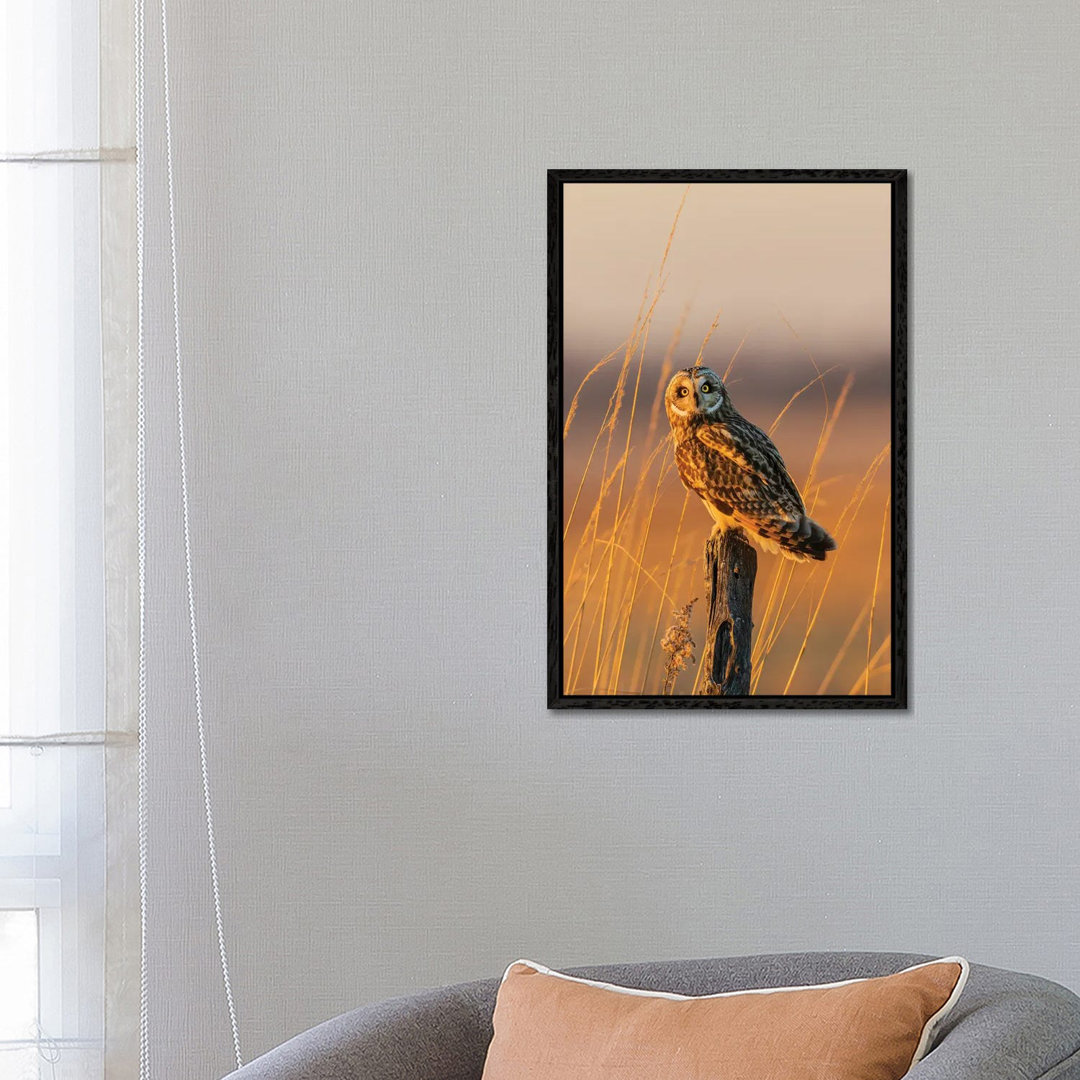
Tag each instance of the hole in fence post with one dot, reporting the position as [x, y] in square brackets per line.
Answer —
[723, 644]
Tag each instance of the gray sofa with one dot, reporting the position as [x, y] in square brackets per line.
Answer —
[1006, 1026]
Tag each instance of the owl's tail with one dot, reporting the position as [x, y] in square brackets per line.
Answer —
[802, 539]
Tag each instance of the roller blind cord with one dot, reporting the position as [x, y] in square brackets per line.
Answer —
[140, 457]
[140, 99]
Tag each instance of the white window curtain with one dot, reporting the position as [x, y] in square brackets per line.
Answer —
[67, 755]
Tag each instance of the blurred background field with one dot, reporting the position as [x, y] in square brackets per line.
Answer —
[785, 289]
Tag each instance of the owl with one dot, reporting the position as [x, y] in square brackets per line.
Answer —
[736, 470]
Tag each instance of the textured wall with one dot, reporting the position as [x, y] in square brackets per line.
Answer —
[362, 231]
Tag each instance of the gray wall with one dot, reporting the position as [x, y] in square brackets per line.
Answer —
[362, 232]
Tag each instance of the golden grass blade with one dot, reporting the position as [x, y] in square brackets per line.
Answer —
[709, 334]
[778, 573]
[571, 574]
[628, 518]
[618, 505]
[624, 606]
[653, 419]
[699, 674]
[830, 427]
[588, 465]
[735, 354]
[594, 517]
[641, 569]
[838, 659]
[674, 226]
[665, 372]
[776, 618]
[592, 578]
[780, 624]
[862, 489]
[662, 473]
[877, 576]
[824, 393]
[644, 333]
[618, 393]
[865, 486]
[783, 616]
[795, 397]
[876, 657]
[806, 349]
[667, 579]
[581, 386]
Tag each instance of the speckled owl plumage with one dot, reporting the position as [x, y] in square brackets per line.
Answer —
[736, 470]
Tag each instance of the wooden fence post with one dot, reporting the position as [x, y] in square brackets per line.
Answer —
[730, 569]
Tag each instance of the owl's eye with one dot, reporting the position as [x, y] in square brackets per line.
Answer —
[683, 391]
[706, 388]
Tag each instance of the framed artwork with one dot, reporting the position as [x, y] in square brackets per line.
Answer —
[727, 494]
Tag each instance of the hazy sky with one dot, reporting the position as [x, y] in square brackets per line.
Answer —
[818, 253]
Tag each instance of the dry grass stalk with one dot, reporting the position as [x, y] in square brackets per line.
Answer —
[735, 354]
[873, 599]
[679, 646]
[581, 386]
[667, 578]
[643, 333]
[879, 652]
[856, 626]
[865, 487]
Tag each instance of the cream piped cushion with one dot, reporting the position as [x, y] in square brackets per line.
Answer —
[551, 1026]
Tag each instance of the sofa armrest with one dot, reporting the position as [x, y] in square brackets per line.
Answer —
[441, 1034]
[1007, 1026]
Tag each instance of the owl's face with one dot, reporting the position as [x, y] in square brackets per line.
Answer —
[694, 391]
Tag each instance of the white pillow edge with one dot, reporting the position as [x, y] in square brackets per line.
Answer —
[925, 1038]
[931, 1025]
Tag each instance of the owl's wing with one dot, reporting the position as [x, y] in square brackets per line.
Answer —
[746, 446]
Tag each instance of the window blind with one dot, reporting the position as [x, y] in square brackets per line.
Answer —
[62, 251]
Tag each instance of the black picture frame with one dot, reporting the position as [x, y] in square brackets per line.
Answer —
[897, 698]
